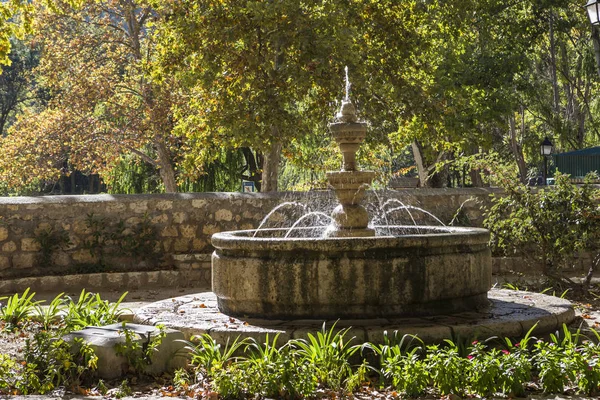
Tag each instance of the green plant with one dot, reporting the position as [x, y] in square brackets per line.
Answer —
[406, 372]
[123, 390]
[278, 372]
[18, 307]
[136, 241]
[330, 354]
[51, 362]
[447, 368]
[90, 309]
[50, 240]
[48, 315]
[139, 352]
[484, 369]
[208, 354]
[556, 362]
[390, 352]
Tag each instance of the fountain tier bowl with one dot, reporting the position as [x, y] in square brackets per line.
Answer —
[413, 271]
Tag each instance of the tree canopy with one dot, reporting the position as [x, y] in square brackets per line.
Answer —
[181, 86]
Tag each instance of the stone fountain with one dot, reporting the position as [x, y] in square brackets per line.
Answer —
[431, 281]
[348, 272]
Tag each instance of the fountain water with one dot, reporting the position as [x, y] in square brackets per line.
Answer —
[345, 270]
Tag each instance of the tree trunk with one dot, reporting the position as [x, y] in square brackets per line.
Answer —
[516, 149]
[271, 162]
[556, 100]
[418, 155]
[426, 178]
[167, 173]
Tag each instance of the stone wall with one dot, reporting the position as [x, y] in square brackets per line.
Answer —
[58, 235]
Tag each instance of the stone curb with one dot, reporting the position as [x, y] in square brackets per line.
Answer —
[511, 314]
[108, 281]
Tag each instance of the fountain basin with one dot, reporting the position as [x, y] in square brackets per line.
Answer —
[414, 271]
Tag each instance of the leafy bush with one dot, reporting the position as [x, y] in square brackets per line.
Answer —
[90, 309]
[18, 308]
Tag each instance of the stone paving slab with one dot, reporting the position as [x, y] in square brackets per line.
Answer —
[511, 314]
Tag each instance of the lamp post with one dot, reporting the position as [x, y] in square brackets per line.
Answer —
[593, 11]
[546, 149]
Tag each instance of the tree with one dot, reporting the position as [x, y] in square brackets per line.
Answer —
[548, 226]
[17, 84]
[259, 73]
[96, 64]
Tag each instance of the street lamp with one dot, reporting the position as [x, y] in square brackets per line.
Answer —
[593, 11]
[546, 149]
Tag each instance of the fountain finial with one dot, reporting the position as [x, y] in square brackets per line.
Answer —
[347, 111]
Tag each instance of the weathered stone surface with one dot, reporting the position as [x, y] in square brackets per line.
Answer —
[223, 215]
[104, 340]
[4, 262]
[61, 259]
[83, 257]
[24, 261]
[169, 231]
[9, 247]
[198, 203]
[187, 231]
[139, 207]
[445, 271]
[160, 219]
[3, 233]
[179, 217]
[182, 244]
[30, 244]
[508, 314]
[164, 205]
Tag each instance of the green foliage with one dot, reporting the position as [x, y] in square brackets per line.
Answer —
[209, 356]
[51, 240]
[523, 220]
[91, 310]
[18, 307]
[447, 368]
[279, 371]
[137, 350]
[137, 241]
[49, 315]
[329, 353]
[52, 362]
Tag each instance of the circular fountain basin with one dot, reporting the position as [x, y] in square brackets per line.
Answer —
[414, 271]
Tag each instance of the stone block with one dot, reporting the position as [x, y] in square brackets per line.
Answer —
[24, 261]
[188, 231]
[4, 263]
[197, 203]
[160, 219]
[164, 205]
[181, 244]
[84, 257]
[179, 217]
[61, 259]
[210, 229]
[223, 215]
[168, 356]
[9, 247]
[139, 207]
[169, 231]
[30, 244]
[3, 233]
